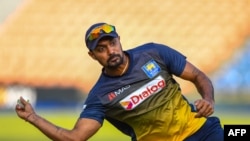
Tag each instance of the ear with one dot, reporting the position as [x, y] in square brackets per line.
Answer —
[91, 54]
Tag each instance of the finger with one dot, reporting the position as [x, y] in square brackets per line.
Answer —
[201, 114]
[19, 104]
[19, 107]
[23, 101]
[197, 107]
[204, 110]
[209, 111]
[208, 114]
[198, 115]
[198, 104]
[200, 107]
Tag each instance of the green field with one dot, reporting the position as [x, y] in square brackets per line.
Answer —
[14, 129]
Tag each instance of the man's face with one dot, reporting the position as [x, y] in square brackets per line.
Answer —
[108, 52]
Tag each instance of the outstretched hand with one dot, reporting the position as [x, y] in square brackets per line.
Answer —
[204, 108]
[24, 109]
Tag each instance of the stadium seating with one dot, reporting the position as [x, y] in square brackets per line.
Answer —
[42, 44]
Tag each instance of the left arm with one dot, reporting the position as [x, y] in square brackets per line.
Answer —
[204, 106]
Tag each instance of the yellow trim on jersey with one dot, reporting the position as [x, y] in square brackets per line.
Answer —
[172, 121]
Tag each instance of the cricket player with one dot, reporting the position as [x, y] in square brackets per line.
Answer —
[136, 92]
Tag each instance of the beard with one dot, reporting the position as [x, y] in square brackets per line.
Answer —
[115, 61]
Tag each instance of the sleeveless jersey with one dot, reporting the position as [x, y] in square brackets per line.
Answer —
[145, 103]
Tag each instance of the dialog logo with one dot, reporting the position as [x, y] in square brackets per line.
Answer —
[137, 97]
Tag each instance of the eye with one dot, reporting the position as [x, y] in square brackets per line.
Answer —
[100, 49]
[113, 42]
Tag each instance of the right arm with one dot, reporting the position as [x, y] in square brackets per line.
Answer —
[83, 129]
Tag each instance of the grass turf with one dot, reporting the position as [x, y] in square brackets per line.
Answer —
[14, 129]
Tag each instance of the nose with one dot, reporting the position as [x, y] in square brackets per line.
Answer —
[110, 50]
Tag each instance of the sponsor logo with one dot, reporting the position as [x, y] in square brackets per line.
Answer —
[151, 68]
[137, 97]
[113, 95]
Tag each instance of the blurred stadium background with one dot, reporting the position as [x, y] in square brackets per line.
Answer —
[43, 56]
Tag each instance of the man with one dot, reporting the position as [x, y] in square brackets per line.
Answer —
[136, 93]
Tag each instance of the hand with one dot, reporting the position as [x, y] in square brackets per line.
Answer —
[204, 108]
[25, 110]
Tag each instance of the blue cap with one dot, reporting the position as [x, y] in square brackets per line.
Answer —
[93, 43]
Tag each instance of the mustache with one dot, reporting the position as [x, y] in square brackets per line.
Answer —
[113, 56]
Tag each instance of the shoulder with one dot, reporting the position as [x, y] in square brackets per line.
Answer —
[152, 48]
[149, 46]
